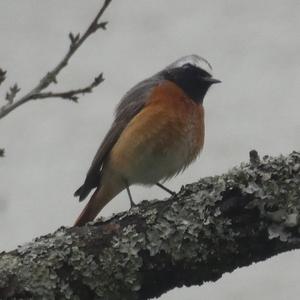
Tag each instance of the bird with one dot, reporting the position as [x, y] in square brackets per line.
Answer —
[158, 130]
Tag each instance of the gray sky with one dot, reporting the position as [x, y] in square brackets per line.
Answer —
[254, 48]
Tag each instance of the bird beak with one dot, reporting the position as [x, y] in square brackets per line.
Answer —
[212, 80]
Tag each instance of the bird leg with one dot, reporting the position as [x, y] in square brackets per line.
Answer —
[132, 204]
[165, 189]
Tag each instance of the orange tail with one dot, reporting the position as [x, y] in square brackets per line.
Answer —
[98, 200]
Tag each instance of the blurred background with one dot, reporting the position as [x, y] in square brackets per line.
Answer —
[254, 49]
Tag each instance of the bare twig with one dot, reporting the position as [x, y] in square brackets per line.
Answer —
[2, 75]
[72, 94]
[50, 77]
[12, 93]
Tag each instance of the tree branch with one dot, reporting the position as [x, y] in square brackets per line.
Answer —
[50, 77]
[72, 94]
[210, 227]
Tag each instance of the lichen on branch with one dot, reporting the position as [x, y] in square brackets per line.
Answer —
[210, 227]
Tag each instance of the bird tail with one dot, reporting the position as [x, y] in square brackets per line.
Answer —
[81, 193]
[90, 183]
[99, 199]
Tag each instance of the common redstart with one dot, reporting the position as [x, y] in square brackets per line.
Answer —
[157, 132]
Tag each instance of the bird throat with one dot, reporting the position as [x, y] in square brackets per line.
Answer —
[195, 88]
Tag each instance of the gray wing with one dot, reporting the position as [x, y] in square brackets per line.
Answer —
[131, 104]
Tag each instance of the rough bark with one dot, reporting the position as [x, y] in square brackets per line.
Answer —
[210, 227]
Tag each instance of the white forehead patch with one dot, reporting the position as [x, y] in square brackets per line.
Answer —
[194, 60]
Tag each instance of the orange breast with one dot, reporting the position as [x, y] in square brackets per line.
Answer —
[184, 115]
[161, 140]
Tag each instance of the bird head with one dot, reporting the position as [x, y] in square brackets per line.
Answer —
[191, 73]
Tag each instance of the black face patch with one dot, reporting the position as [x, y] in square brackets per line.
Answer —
[191, 79]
